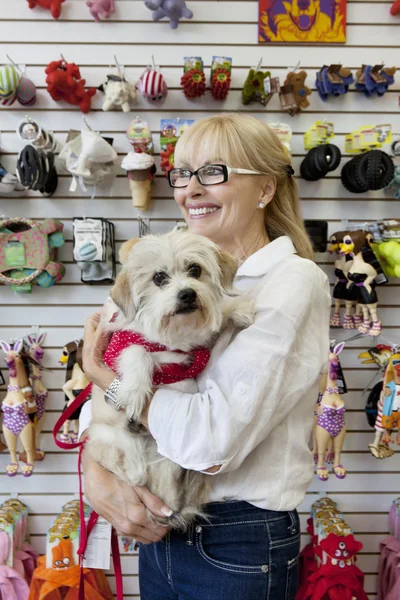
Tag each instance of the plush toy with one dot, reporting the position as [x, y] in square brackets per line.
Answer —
[395, 8]
[141, 170]
[259, 87]
[9, 81]
[300, 91]
[152, 86]
[173, 9]
[54, 6]
[389, 251]
[64, 83]
[33, 348]
[101, 8]
[9, 183]
[330, 420]
[362, 280]
[374, 80]
[333, 81]
[119, 93]
[18, 408]
[341, 291]
[75, 382]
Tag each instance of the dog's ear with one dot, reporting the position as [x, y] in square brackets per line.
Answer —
[121, 294]
[228, 266]
[125, 249]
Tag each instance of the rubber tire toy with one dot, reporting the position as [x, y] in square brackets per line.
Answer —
[349, 179]
[375, 169]
[327, 158]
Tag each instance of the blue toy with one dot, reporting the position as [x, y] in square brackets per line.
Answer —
[374, 80]
[174, 9]
[333, 81]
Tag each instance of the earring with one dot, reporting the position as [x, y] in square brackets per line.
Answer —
[261, 205]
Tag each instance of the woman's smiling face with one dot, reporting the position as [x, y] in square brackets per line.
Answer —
[224, 210]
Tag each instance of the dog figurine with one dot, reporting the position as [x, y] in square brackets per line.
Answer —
[101, 8]
[175, 295]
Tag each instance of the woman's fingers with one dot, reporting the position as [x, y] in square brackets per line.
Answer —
[153, 503]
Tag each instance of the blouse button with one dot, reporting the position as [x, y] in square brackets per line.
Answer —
[199, 529]
[242, 390]
[265, 568]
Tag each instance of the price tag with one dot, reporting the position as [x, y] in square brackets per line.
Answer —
[15, 255]
[97, 553]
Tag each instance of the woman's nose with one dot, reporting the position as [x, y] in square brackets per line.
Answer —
[194, 188]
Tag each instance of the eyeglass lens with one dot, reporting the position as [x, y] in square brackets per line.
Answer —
[207, 175]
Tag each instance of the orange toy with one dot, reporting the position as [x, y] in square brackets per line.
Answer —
[51, 584]
[54, 6]
[64, 83]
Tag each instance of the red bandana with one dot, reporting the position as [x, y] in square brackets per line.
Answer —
[170, 373]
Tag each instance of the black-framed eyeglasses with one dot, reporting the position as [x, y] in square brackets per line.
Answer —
[213, 174]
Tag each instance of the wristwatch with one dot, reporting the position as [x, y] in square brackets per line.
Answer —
[111, 393]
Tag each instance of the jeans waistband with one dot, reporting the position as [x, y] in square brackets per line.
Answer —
[236, 507]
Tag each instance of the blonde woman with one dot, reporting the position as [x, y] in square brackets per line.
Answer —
[249, 425]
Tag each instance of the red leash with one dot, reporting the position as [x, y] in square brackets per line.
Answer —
[85, 530]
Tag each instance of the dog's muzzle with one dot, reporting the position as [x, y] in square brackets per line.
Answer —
[187, 302]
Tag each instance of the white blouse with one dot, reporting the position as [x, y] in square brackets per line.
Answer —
[253, 413]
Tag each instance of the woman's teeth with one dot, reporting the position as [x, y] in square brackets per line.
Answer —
[202, 211]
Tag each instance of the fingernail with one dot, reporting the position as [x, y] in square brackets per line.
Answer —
[167, 511]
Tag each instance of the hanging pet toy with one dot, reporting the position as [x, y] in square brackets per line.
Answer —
[119, 93]
[101, 8]
[173, 9]
[220, 77]
[341, 291]
[54, 6]
[64, 82]
[259, 86]
[152, 85]
[193, 80]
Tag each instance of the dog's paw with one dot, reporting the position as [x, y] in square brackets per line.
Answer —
[242, 313]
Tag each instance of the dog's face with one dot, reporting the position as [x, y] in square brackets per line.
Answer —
[171, 288]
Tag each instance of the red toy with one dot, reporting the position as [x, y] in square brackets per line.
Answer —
[338, 578]
[54, 6]
[395, 9]
[64, 83]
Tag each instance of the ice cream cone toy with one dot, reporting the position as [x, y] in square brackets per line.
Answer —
[220, 77]
[193, 80]
[141, 170]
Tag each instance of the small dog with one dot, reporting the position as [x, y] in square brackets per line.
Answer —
[174, 290]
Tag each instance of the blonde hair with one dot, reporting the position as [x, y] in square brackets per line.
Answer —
[244, 142]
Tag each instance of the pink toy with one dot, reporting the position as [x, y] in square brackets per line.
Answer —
[12, 583]
[54, 6]
[101, 8]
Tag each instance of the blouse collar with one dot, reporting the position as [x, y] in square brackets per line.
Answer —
[267, 257]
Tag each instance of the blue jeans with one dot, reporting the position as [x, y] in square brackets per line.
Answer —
[242, 553]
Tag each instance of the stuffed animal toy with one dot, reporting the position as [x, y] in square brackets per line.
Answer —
[152, 86]
[395, 8]
[119, 93]
[259, 87]
[64, 83]
[54, 6]
[374, 80]
[101, 8]
[141, 170]
[333, 81]
[174, 9]
[9, 183]
[297, 79]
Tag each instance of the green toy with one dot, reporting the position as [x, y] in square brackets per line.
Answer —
[259, 87]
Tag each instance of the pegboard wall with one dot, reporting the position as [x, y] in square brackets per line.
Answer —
[228, 29]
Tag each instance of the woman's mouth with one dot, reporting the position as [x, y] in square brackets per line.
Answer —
[201, 211]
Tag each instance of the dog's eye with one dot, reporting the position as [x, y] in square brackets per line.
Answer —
[160, 278]
[194, 271]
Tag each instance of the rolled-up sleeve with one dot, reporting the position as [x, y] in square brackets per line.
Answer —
[257, 380]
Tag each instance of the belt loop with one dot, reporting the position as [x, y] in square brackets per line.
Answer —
[293, 526]
[189, 541]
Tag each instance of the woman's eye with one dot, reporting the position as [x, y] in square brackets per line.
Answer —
[194, 271]
[212, 171]
[160, 278]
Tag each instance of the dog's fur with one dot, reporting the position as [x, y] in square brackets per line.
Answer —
[159, 315]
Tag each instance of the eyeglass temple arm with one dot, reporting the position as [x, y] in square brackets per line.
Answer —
[243, 171]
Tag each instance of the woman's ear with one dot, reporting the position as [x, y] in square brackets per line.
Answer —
[228, 266]
[268, 190]
[121, 294]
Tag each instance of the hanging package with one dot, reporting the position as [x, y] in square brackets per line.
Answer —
[28, 252]
[94, 249]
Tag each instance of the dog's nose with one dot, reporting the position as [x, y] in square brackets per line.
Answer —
[187, 296]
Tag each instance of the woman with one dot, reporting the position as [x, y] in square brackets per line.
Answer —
[249, 425]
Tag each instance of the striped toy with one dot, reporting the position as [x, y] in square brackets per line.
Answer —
[152, 86]
[9, 80]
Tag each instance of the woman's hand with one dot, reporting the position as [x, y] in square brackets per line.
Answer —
[122, 505]
[95, 342]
